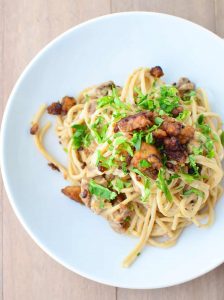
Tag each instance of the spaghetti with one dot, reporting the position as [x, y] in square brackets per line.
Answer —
[147, 157]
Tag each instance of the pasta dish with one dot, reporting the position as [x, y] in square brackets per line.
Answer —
[147, 157]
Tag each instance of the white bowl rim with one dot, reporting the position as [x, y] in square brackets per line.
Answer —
[2, 159]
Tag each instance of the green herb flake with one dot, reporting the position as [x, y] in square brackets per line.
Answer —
[78, 136]
[173, 176]
[197, 151]
[147, 184]
[124, 168]
[99, 129]
[222, 138]
[137, 140]
[200, 119]
[193, 163]
[188, 178]
[205, 128]
[158, 121]
[101, 204]
[118, 185]
[101, 102]
[162, 184]
[143, 100]
[168, 98]
[209, 145]
[183, 115]
[101, 191]
[149, 138]
[144, 163]
[193, 191]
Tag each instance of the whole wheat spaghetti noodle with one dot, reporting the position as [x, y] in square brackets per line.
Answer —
[147, 157]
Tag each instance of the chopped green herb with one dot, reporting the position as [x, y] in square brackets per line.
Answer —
[209, 145]
[101, 203]
[138, 253]
[189, 97]
[137, 140]
[161, 112]
[194, 191]
[222, 138]
[188, 178]
[101, 191]
[99, 129]
[149, 138]
[147, 184]
[205, 128]
[168, 98]
[144, 101]
[158, 121]
[200, 119]
[144, 163]
[118, 115]
[106, 162]
[137, 171]
[120, 140]
[101, 102]
[183, 115]
[154, 127]
[162, 184]
[117, 102]
[124, 168]
[112, 100]
[118, 184]
[197, 151]
[127, 147]
[87, 140]
[173, 176]
[79, 135]
[193, 163]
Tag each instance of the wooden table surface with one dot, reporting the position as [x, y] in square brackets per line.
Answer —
[26, 272]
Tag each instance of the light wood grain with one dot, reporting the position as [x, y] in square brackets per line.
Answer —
[26, 272]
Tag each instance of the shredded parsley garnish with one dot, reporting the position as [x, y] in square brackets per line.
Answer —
[79, 136]
[147, 184]
[183, 115]
[158, 121]
[106, 162]
[112, 100]
[168, 98]
[149, 138]
[193, 191]
[209, 145]
[189, 178]
[99, 129]
[222, 138]
[101, 191]
[137, 140]
[206, 130]
[193, 164]
[118, 184]
[143, 100]
[173, 176]
[162, 184]
[197, 151]
[144, 163]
